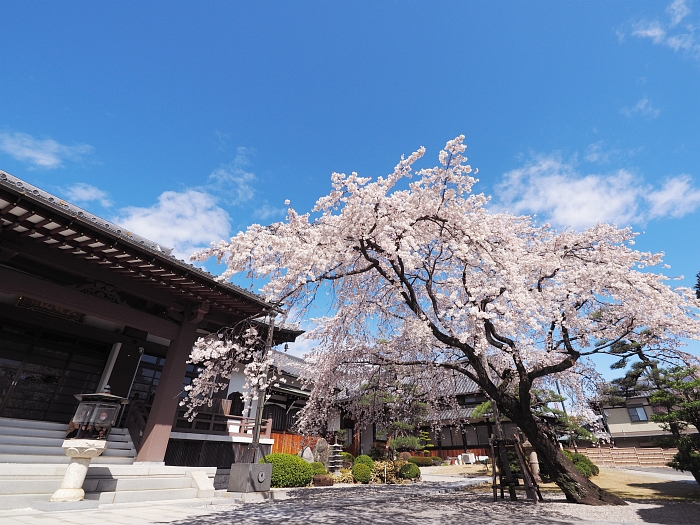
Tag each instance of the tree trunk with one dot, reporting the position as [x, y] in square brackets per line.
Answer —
[696, 475]
[575, 486]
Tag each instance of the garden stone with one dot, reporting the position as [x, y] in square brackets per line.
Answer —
[307, 455]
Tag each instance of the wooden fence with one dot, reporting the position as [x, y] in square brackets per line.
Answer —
[629, 457]
[291, 443]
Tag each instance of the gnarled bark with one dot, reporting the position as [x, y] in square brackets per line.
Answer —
[575, 486]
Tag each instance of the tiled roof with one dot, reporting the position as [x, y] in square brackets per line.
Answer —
[20, 192]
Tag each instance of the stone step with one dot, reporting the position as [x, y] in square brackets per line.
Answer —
[134, 496]
[39, 458]
[31, 470]
[29, 486]
[32, 424]
[21, 431]
[31, 450]
[20, 501]
[20, 439]
[113, 460]
[148, 483]
[35, 449]
[119, 445]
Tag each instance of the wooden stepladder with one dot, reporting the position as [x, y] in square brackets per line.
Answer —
[499, 456]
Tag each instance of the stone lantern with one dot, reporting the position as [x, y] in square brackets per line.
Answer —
[86, 439]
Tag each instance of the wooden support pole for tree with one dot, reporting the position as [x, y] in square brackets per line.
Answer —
[531, 488]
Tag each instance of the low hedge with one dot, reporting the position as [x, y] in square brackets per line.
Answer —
[361, 473]
[289, 470]
[409, 471]
[319, 468]
[364, 459]
[421, 461]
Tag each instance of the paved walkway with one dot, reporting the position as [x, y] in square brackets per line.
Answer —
[416, 504]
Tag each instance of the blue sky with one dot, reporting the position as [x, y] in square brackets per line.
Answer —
[188, 121]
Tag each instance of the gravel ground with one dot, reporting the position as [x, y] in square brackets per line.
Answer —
[436, 503]
[424, 503]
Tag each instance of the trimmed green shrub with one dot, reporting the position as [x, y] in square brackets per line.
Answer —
[404, 455]
[409, 471]
[344, 476]
[348, 458]
[437, 460]
[387, 471]
[583, 464]
[365, 460]
[319, 468]
[361, 473]
[404, 443]
[422, 461]
[289, 470]
[378, 451]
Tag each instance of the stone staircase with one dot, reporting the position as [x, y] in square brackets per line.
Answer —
[629, 457]
[32, 466]
[28, 441]
[22, 485]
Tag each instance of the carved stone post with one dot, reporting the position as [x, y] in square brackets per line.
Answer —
[80, 452]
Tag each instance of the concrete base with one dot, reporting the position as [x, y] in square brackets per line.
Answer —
[250, 477]
[256, 497]
[54, 506]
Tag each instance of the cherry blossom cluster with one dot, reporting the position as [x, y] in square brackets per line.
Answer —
[221, 354]
[425, 281]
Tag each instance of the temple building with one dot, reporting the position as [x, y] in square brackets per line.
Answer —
[85, 303]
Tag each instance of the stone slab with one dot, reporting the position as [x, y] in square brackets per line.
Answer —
[250, 477]
[55, 506]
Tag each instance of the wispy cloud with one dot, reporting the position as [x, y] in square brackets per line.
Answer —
[677, 197]
[186, 221]
[81, 192]
[234, 181]
[598, 153]
[670, 32]
[191, 219]
[560, 194]
[677, 11]
[40, 153]
[643, 108]
[267, 212]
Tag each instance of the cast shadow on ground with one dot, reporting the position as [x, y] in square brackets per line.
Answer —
[356, 508]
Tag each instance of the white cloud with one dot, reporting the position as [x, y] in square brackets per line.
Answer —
[677, 10]
[232, 180]
[187, 221]
[559, 194]
[598, 152]
[643, 107]
[267, 212]
[653, 30]
[676, 198]
[82, 193]
[41, 153]
[671, 34]
[302, 346]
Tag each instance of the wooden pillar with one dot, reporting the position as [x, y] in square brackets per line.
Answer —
[167, 398]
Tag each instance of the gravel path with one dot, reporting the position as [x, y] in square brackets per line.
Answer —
[437, 503]
[424, 503]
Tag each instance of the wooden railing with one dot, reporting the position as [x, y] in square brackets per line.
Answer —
[136, 422]
[209, 420]
[243, 427]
